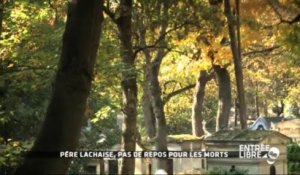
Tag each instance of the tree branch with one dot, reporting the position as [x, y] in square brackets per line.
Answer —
[52, 6]
[166, 32]
[276, 7]
[262, 51]
[169, 82]
[25, 68]
[168, 97]
[154, 46]
[176, 92]
[160, 38]
[109, 13]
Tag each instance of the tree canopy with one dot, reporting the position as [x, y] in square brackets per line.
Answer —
[149, 51]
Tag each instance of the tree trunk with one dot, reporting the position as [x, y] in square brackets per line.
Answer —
[257, 112]
[129, 85]
[1, 16]
[224, 96]
[236, 112]
[155, 90]
[198, 103]
[149, 117]
[157, 104]
[65, 114]
[153, 84]
[279, 108]
[237, 65]
[265, 108]
[158, 109]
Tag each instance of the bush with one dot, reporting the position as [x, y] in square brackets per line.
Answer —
[221, 171]
[293, 159]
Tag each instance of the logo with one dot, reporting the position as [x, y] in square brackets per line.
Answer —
[272, 155]
[260, 151]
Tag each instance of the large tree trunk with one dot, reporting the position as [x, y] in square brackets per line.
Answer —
[153, 84]
[1, 16]
[198, 103]
[156, 126]
[65, 114]
[155, 91]
[149, 117]
[237, 65]
[129, 85]
[158, 109]
[224, 96]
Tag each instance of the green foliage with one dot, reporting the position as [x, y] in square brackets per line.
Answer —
[30, 45]
[221, 171]
[210, 106]
[291, 39]
[28, 58]
[10, 151]
[293, 159]
[77, 166]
